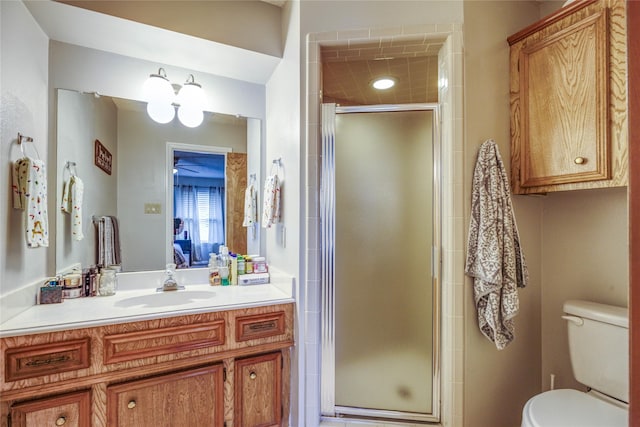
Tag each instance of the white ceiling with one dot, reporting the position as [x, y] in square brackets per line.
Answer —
[94, 30]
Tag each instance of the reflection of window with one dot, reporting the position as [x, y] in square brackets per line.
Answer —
[201, 209]
[210, 219]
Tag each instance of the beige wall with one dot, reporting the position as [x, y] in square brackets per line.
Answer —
[24, 81]
[585, 255]
[575, 243]
[498, 383]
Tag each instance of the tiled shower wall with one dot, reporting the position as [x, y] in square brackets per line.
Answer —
[452, 277]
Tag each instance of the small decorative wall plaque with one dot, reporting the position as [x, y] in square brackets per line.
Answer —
[103, 157]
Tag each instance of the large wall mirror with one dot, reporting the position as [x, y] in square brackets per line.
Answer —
[140, 167]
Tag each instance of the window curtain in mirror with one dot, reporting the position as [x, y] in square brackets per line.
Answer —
[216, 218]
[186, 202]
[202, 210]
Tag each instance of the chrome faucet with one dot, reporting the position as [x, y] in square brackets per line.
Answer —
[170, 282]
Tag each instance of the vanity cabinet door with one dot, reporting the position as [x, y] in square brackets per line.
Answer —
[188, 398]
[68, 410]
[258, 391]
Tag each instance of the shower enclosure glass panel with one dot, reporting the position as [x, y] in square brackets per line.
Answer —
[384, 287]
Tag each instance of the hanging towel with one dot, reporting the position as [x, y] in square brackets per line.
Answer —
[72, 196]
[30, 194]
[108, 241]
[250, 206]
[494, 256]
[271, 207]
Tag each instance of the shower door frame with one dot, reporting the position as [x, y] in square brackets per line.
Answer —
[328, 407]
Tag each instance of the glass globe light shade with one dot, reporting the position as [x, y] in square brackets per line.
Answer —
[191, 96]
[161, 112]
[190, 117]
[158, 89]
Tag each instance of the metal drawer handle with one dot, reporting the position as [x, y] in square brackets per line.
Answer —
[579, 160]
[253, 375]
[131, 404]
[61, 421]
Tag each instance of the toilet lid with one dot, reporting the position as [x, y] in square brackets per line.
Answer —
[571, 408]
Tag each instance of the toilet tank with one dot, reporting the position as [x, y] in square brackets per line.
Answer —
[599, 346]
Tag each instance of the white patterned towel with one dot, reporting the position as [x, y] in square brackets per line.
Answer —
[30, 194]
[494, 256]
[271, 202]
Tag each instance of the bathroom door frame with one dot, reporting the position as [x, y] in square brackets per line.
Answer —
[328, 408]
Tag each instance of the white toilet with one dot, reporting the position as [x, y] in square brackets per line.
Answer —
[599, 349]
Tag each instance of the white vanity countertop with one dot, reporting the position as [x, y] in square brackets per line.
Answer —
[138, 304]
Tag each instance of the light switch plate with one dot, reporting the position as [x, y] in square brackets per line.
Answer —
[152, 208]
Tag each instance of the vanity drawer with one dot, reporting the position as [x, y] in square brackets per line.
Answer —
[261, 325]
[140, 344]
[46, 359]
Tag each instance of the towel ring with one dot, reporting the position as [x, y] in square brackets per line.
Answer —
[70, 165]
[23, 138]
[277, 163]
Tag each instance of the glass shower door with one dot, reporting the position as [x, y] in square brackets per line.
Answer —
[384, 238]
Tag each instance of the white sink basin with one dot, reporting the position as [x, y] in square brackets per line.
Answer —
[163, 299]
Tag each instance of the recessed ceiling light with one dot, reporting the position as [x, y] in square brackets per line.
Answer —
[383, 83]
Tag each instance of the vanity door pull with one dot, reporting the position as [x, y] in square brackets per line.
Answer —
[48, 361]
[579, 160]
[253, 375]
[131, 404]
[263, 326]
[61, 421]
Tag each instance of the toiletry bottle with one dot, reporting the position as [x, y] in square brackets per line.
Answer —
[248, 265]
[214, 272]
[223, 266]
[241, 265]
[233, 273]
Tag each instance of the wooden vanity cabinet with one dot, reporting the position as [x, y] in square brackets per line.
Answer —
[221, 369]
[193, 397]
[68, 410]
[568, 100]
[258, 385]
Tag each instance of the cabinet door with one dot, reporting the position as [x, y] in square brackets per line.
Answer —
[564, 83]
[188, 398]
[68, 410]
[258, 391]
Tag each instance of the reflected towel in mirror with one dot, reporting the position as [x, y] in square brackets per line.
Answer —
[72, 196]
[108, 241]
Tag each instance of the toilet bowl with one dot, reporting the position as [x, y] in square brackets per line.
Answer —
[572, 408]
[598, 347]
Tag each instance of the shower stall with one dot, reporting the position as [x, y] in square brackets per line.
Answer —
[380, 264]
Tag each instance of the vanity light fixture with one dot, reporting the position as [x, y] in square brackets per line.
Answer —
[162, 100]
[191, 101]
[383, 83]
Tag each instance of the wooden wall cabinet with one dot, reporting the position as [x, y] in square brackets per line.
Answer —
[568, 100]
[221, 369]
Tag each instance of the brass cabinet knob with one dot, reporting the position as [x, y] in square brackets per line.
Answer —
[60, 421]
[253, 375]
[131, 404]
[579, 160]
